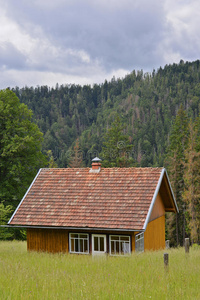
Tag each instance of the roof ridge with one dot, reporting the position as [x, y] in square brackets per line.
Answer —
[105, 168]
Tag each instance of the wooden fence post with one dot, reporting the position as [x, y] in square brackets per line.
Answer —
[187, 245]
[166, 261]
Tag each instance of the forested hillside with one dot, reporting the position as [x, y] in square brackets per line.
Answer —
[146, 103]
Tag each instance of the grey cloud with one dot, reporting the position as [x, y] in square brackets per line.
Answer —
[11, 57]
[120, 39]
[117, 38]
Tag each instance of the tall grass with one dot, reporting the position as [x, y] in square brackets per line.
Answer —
[41, 276]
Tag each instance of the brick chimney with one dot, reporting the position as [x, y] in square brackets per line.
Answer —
[96, 165]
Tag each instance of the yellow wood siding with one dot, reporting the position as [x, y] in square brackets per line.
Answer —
[158, 209]
[154, 236]
[47, 240]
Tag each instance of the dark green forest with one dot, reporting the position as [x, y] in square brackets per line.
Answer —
[147, 104]
[144, 119]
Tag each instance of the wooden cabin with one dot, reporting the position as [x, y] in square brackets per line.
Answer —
[96, 210]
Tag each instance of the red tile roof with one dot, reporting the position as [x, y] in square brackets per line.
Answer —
[114, 198]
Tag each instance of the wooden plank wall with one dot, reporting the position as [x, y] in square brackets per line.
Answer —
[158, 209]
[154, 236]
[48, 240]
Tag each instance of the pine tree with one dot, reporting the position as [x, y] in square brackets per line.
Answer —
[175, 162]
[51, 161]
[76, 157]
[116, 150]
[191, 193]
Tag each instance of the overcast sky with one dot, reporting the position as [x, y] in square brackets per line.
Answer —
[44, 42]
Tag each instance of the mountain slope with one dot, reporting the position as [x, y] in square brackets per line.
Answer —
[146, 103]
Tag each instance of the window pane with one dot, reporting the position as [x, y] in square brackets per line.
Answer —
[124, 238]
[112, 247]
[117, 247]
[83, 236]
[114, 238]
[76, 245]
[74, 235]
[125, 248]
[101, 240]
[101, 243]
[85, 246]
[72, 245]
[139, 246]
[95, 243]
[81, 245]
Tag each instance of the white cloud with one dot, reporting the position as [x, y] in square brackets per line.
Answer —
[12, 33]
[37, 50]
[13, 78]
[182, 31]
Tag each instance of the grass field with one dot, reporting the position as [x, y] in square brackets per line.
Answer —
[44, 276]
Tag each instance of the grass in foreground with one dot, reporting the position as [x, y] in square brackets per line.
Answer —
[34, 275]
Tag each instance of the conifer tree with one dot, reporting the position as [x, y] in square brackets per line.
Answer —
[175, 162]
[191, 193]
[116, 150]
[51, 161]
[76, 158]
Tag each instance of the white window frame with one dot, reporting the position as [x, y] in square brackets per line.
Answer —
[79, 238]
[139, 242]
[121, 243]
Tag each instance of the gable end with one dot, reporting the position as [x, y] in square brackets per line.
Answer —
[164, 189]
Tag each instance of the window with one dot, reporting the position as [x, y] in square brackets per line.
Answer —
[79, 243]
[120, 245]
[139, 242]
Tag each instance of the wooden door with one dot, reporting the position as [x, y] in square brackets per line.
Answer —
[98, 244]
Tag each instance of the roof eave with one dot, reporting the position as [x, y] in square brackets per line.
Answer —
[177, 210]
[72, 228]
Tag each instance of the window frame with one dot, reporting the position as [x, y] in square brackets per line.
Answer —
[79, 238]
[121, 252]
[139, 238]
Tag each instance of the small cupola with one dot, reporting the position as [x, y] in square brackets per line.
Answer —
[96, 165]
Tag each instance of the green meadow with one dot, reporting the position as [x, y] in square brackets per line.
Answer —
[30, 275]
